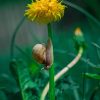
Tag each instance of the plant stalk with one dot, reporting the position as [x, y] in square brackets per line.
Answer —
[51, 71]
[63, 71]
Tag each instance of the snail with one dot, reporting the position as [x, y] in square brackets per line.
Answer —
[43, 54]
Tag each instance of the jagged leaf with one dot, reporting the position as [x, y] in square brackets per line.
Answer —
[27, 87]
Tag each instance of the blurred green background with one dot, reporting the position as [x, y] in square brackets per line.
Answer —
[73, 86]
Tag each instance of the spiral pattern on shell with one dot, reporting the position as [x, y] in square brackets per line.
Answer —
[39, 53]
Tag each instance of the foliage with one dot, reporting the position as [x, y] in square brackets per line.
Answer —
[81, 82]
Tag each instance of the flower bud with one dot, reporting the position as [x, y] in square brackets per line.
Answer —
[78, 32]
[79, 38]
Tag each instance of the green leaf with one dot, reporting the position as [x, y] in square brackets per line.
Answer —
[91, 76]
[27, 87]
[2, 96]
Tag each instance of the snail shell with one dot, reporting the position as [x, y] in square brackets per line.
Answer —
[39, 53]
[44, 54]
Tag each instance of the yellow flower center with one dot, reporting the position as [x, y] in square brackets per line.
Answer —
[45, 11]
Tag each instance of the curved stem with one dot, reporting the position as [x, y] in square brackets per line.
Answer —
[63, 71]
[82, 11]
[14, 37]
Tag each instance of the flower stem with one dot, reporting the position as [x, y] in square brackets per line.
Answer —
[51, 71]
[63, 71]
[50, 35]
[70, 65]
[52, 84]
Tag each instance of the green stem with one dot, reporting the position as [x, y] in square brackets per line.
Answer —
[51, 71]
[50, 34]
[51, 82]
[14, 37]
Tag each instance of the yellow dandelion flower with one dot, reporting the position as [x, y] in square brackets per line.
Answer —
[45, 11]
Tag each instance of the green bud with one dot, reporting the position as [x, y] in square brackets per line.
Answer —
[79, 38]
